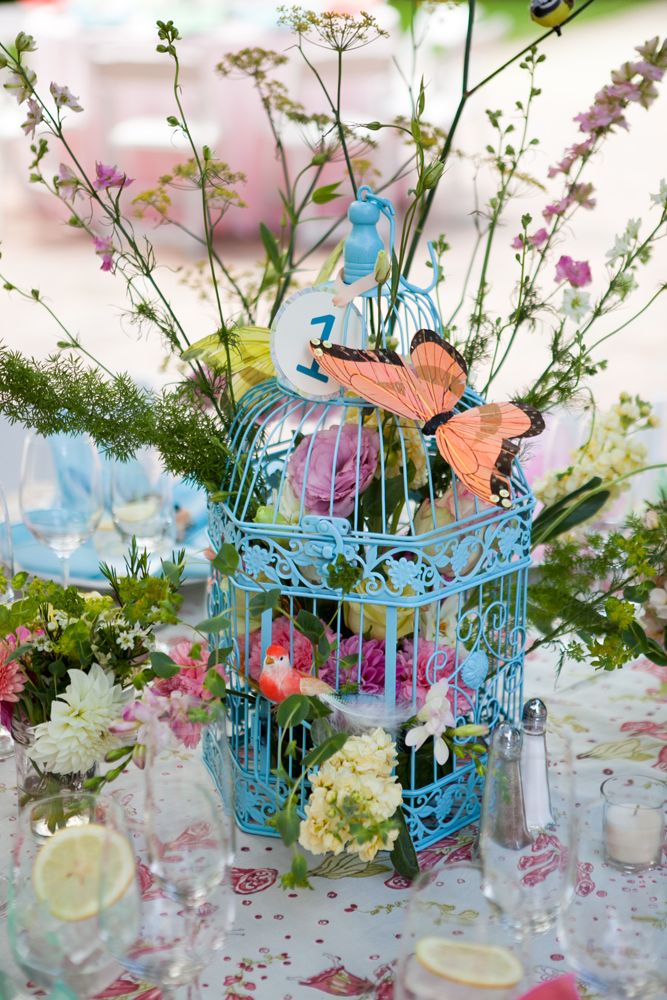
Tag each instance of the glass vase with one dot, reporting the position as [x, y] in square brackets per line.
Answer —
[32, 782]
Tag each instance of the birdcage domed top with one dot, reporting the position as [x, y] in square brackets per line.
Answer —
[315, 485]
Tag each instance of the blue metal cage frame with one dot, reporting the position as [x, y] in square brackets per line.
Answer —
[448, 600]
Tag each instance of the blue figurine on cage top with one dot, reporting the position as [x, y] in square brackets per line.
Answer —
[347, 511]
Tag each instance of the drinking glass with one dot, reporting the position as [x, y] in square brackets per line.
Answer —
[175, 913]
[6, 553]
[6, 597]
[447, 905]
[614, 937]
[48, 948]
[141, 501]
[61, 492]
[529, 871]
[616, 942]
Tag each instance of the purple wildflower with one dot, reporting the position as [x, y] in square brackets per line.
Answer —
[109, 177]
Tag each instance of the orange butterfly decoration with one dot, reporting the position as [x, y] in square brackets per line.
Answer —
[475, 443]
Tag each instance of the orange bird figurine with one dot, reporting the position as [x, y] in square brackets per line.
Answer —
[278, 679]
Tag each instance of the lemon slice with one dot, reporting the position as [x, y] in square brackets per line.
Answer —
[482, 965]
[66, 872]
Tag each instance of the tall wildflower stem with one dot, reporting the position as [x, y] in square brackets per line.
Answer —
[466, 94]
[206, 216]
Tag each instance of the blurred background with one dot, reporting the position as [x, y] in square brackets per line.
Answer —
[105, 53]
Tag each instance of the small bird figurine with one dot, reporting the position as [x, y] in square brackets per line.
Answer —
[551, 13]
[278, 679]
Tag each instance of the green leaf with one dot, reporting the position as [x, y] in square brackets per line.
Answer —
[163, 665]
[215, 624]
[293, 710]
[299, 872]
[328, 266]
[214, 683]
[637, 639]
[554, 520]
[58, 668]
[218, 655]
[271, 247]
[268, 600]
[326, 193]
[287, 824]
[309, 625]
[347, 866]
[403, 855]
[320, 753]
[18, 580]
[227, 559]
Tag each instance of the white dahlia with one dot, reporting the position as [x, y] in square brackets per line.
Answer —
[77, 734]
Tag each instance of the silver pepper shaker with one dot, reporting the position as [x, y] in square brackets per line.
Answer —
[534, 766]
[509, 820]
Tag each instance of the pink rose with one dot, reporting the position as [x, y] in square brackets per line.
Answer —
[344, 458]
[441, 667]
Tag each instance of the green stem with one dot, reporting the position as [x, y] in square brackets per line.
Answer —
[465, 96]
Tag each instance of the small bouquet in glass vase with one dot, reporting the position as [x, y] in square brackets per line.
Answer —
[70, 662]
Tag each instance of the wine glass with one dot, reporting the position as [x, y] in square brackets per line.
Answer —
[453, 940]
[615, 938]
[141, 501]
[165, 926]
[51, 944]
[6, 553]
[61, 492]
[6, 597]
[526, 836]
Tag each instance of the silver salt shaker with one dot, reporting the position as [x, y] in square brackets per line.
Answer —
[534, 765]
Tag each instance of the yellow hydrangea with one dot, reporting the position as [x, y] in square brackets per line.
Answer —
[355, 786]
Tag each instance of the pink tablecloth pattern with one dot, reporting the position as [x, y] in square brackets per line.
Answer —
[341, 938]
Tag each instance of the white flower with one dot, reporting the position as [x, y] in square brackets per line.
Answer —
[620, 248]
[660, 197]
[575, 303]
[435, 716]
[632, 229]
[354, 785]
[77, 734]
[624, 284]
[657, 603]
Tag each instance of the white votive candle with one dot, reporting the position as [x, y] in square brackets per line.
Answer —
[634, 823]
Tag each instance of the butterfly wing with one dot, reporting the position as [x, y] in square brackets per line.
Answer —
[476, 444]
[381, 377]
[440, 367]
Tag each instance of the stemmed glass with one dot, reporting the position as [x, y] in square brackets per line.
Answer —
[527, 852]
[61, 492]
[55, 946]
[142, 502]
[6, 597]
[615, 939]
[454, 944]
[176, 912]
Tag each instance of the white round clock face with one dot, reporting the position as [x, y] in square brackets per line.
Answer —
[311, 315]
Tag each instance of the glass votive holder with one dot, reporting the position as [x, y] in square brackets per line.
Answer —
[633, 821]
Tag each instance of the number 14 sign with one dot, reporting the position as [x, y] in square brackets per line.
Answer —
[311, 314]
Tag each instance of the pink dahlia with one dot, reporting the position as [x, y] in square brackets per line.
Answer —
[441, 667]
[12, 678]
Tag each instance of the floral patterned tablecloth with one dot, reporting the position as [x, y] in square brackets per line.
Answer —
[340, 939]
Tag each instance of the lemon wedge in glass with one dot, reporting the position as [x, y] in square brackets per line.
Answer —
[66, 871]
[482, 965]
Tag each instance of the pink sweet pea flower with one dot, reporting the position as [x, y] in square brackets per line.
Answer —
[577, 272]
[109, 177]
[104, 249]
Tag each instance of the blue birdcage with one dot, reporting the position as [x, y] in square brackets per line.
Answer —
[352, 514]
